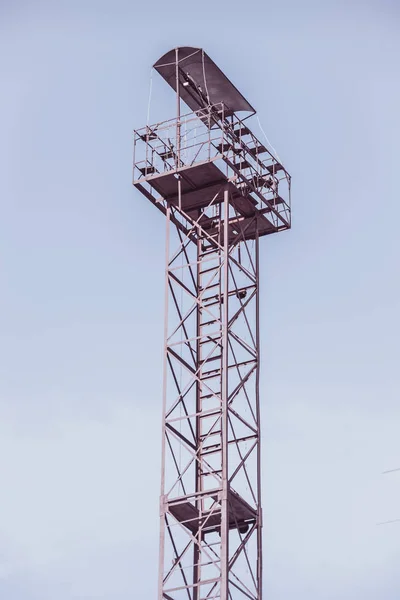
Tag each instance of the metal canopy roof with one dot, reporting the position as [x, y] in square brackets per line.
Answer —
[208, 81]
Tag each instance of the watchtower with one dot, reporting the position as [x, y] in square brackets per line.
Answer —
[221, 190]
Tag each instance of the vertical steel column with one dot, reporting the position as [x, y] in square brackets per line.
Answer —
[164, 408]
[224, 407]
[198, 475]
[257, 392]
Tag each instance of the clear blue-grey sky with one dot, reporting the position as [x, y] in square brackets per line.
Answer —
[82, 258]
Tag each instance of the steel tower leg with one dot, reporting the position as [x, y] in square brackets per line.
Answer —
[224, 407]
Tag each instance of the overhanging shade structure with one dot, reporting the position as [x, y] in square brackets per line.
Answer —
[200, 80]
[221, 191]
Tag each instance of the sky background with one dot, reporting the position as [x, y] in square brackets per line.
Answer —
[81, 292]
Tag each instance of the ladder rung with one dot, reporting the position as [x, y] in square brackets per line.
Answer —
[211, 450]
[210, 374]
[209, 287]
[217, 301]
[207, 360]
[208, 435]
[215, 341]
[209, 250]
[208, 323]
[209, 270]
[209, 298]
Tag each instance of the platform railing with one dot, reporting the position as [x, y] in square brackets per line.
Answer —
[181, 142]
[207, 135]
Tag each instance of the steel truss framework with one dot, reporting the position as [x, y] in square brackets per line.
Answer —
[210, 504]
[220, 190]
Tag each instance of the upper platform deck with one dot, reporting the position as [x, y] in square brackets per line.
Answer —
[189, 161]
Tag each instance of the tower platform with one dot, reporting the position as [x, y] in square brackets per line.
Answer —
[241, 514]
[190, 161]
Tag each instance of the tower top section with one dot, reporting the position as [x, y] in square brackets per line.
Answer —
[187, 163]
[199, 81]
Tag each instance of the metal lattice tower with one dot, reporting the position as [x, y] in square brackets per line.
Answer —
[220, 190]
